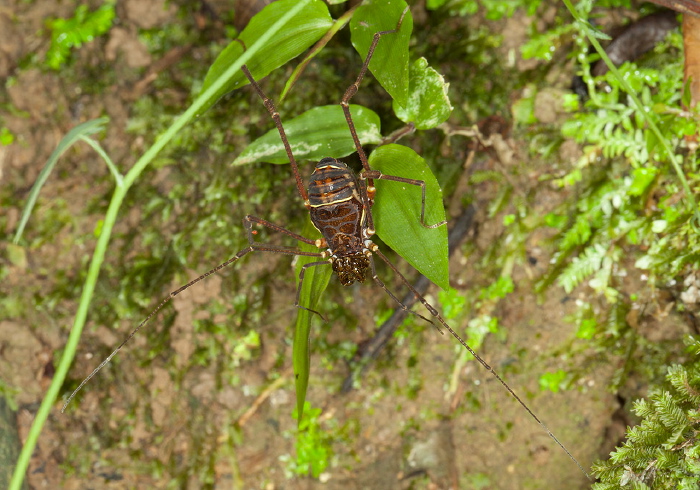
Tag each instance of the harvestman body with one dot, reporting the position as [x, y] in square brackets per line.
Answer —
[340, 206]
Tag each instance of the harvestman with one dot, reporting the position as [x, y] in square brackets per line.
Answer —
[340, 205]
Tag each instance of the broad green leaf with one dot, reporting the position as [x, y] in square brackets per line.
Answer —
[397, 210]
[428, 104]
[315, 282]
[304, 29]
[318, 133]
[389, 64]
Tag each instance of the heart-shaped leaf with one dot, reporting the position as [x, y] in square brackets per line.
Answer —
[389, 64]
[397, 212]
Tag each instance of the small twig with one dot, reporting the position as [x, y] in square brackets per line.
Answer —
[169, 59]
[243, 419]
[395, 136]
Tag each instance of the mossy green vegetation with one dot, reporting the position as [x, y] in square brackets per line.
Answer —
[662, 451]
[83, 27]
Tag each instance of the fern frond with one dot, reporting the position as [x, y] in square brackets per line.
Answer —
[670, 413]
[588, 262]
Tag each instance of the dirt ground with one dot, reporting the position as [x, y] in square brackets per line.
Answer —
[144, 423]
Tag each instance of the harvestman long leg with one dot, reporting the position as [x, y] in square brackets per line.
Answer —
[270, 106]
[368, 174]
[274, 114]
[367, 196]
[435, 314]
[253, 246]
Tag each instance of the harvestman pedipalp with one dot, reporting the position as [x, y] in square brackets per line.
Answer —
[340, 205]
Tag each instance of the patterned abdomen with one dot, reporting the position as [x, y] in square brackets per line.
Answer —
[336, 208]
[337, 212]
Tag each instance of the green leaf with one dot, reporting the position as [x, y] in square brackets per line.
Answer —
[389, 64]
[497, 9]
[17, 255]
[304, 29]
[338, 24]
[318, 133]
[397, 211]
[588, 262]
[428, 104]
[315, 282]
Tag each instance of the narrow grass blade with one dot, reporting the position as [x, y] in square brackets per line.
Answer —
[74, 135]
